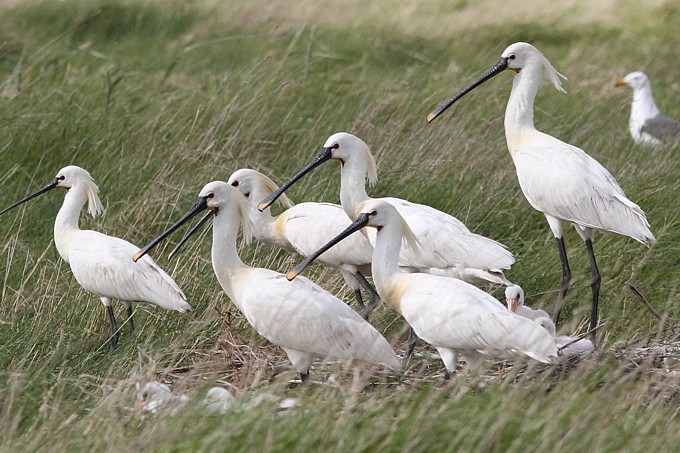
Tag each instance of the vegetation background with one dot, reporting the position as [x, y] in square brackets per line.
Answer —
[158, 97]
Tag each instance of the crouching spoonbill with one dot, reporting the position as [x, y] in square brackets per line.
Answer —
[450, 314]
[302, 318]
[559, 179]
[101, 264]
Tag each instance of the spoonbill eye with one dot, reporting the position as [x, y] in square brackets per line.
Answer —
[234, 184]
[373, 213]
[211, 195]
[511, 56]
[336, 146]
[61, 178]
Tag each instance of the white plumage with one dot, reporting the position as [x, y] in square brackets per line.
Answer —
[647, 125]
[558, 179]
[566, 346]
[302, 318]
[102, 264]
[447, 246]
[514, 298]
[450, 314]
[305, 227]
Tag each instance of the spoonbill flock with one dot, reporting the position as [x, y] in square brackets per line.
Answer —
[424, 262]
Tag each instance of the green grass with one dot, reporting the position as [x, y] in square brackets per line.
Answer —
[156, 99]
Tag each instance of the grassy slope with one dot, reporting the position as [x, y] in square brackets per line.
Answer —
[156, 99]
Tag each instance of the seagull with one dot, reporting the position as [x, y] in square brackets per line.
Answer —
[558, 179]
[647, 125]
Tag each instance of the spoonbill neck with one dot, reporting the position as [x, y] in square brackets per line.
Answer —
[353, 185]
[519, 113]
[67, 218]
[385, 263]
[225, 257]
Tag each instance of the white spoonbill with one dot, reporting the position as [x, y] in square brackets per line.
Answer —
[514, 298]
[302, 318]
[558, 179]
[448, 313]
[566, 346]
[305, 227]
[101, 264]
[647, 125]
[448, 247]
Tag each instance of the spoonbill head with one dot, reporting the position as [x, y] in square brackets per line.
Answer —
[450, 314]
[302, 318]
[647, 125]
[514, 298]
[101, 264]
[305, 227]
[558, 179]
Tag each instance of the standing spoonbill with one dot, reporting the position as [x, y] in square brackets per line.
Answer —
[514, 298]
[448, 313]
[305, 227]
[559, 179]
[647, 125]
[101, 264]
[448, 247]
[302, 318]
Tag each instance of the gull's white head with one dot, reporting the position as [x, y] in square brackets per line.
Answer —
[522, 55]
[345, 147]
[635, 80]
[514, 297]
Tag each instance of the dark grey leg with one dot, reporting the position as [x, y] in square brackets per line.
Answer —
[566, 277]
[375, 298]
[114, 327]
[412, 338]
[130, 323]
[595, 288]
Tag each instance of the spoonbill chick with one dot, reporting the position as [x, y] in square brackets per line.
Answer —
[558, 179]
[154, 397]
[647, 125]
[101, 264]
[448, 247]
[302, 318]
[450, 314]
[305, 227]
[514, 297]
[566, 346]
